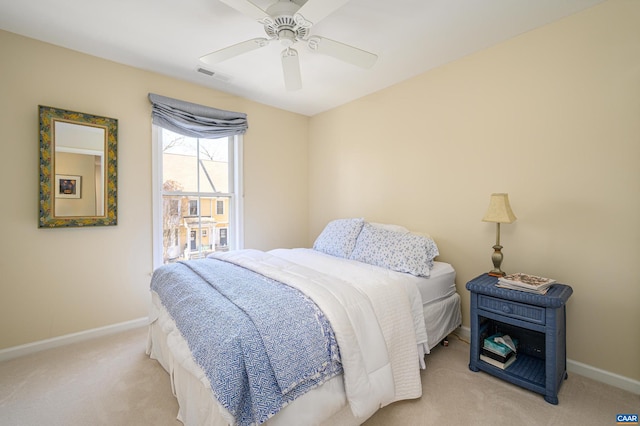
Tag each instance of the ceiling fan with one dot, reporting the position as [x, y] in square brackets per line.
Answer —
[289, 23]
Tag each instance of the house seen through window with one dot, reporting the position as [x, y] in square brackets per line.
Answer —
[195, 193]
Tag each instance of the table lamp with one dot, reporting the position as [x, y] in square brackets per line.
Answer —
[499, 212]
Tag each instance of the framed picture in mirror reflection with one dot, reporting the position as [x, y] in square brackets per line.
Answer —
[68, 186]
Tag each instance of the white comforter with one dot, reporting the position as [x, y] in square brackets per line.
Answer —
[373, 322]
[376, 316]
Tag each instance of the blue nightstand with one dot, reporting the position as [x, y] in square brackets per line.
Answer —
[537, 321]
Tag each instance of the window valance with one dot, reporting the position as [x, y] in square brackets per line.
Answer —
[195, 120]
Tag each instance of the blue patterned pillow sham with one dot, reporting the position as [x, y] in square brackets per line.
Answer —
[390, 227]
[339, 237]
[398, 251]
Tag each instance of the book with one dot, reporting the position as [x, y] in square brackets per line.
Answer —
[498, 347]
[527, 290]
[496, 356]
[495, 363]
[525, 282]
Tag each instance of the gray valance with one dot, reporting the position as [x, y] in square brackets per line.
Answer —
[195, 120]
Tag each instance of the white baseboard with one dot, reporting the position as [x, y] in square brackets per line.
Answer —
[55, 342]
[603, 376]
[581, 369]
[464, 333]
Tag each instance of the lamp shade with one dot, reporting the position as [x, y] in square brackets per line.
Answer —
[499, 210]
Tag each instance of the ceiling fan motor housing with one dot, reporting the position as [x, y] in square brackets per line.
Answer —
[283, 23]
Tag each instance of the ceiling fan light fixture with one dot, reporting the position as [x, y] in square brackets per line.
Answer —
[287, 37]
[275, 27]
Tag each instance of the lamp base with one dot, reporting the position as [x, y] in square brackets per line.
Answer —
[496, 258]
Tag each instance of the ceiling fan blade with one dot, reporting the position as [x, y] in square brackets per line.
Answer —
[235, 50]
[316, 10]
[291, 69]
[344, 52]
[246, 7]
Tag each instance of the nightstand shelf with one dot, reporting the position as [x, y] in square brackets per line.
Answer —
[538, 322]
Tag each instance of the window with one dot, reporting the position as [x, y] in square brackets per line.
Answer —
[193, 207]
[222, 237]
[197, 209]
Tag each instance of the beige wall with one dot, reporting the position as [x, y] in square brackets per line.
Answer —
[550, 117]
[59, 281]
[553, 118]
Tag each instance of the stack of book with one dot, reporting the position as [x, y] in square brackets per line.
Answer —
[499, 350]
[525, 282]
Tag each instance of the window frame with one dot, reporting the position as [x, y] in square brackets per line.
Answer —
[235, 239]
[194, 206]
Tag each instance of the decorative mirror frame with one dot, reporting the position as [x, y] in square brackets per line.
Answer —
[48, 117]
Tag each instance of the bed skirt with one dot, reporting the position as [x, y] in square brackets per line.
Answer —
[441, 318]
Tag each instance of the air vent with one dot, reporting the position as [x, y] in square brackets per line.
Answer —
[205, 72]
[214, 74]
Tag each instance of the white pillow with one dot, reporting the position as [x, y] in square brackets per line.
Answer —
[339, 237]
[396, 250]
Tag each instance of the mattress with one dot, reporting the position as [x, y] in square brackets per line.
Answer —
[439, 286]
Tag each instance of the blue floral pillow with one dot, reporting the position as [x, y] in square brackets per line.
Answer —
[339, 237]
[398, 251]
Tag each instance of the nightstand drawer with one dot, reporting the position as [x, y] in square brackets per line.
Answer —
[517, 310]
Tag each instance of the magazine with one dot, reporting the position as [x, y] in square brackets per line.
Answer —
[525, 282]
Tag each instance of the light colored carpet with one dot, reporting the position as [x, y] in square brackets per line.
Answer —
[110, 381]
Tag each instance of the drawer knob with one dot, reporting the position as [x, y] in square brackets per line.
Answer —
[506, 309]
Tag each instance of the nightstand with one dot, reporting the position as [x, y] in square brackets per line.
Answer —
[537, 321]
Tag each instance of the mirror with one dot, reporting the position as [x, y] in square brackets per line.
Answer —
[77, 169]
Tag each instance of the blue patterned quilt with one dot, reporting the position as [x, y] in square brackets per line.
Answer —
[260, 342]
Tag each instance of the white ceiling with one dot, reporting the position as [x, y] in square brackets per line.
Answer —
[168, 36]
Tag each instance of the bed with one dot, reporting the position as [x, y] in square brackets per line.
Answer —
[383, 312]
